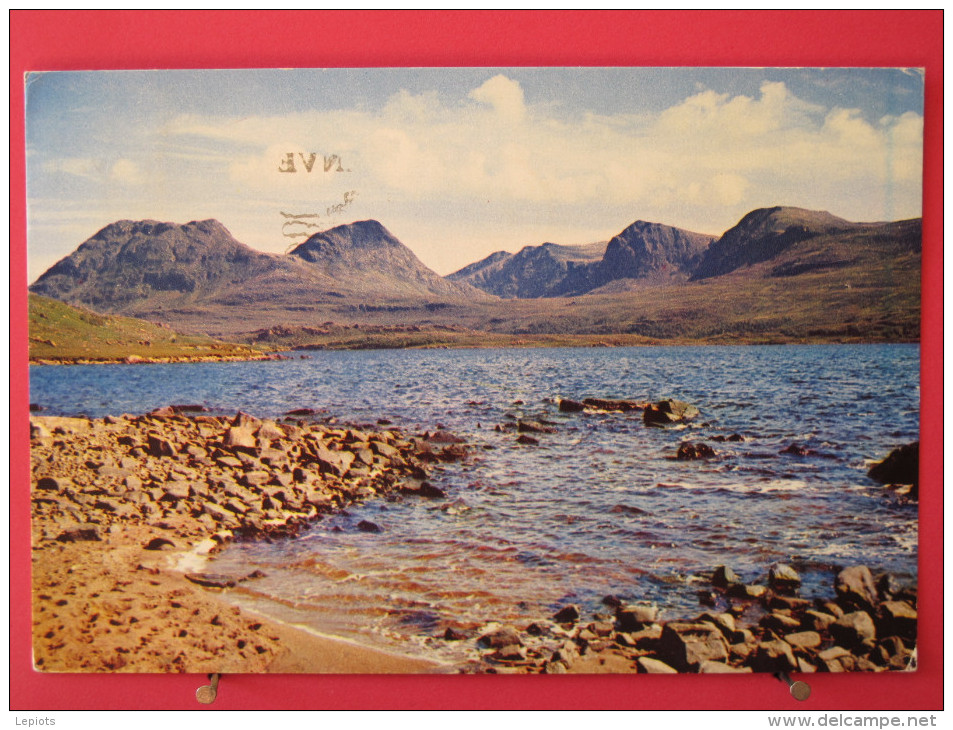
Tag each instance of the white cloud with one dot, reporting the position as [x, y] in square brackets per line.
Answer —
[126, 171]
[504, 95]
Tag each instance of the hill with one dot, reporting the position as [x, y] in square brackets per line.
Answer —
[649, 253]
[59, 332]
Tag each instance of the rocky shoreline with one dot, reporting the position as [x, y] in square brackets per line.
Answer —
[152, 360]
[121, 505]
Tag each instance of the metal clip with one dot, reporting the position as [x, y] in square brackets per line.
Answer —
[206, 693]
[799, 690]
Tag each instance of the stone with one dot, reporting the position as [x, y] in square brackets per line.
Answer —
[773, 656]
[723, 576]
[571, 406]
[58, 484]
[452, 634]
[567, 614]
[635, 616]
[746, 592]
[816, 620]
[159, 543]
[902, 466]
[852, 629]
[245, 421]
[239, 438]
[160, 447]
[804, 639]
[505, 636]
[527, 440]
[334, 462]
[211, 580]
[175, 491]
[783, 578]
[533, 427]
[779, 622]
[668, 411]
[647, 665]
[693, 452]
[618, 406]
[897, 618]
[855, 588]
[510, 653]
[368, 526]
[685, 645]
[80, 533]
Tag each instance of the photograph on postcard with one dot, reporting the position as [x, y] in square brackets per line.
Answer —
[475, 370]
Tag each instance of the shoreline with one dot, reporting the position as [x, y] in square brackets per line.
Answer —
[303, 352]
[109, 531]
[125, 507]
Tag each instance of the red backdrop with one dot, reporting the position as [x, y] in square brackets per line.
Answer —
[61, 40]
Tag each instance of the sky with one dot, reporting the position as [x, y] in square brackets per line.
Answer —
[459, 163]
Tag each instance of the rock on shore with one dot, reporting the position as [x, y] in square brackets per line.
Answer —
[869, 626]
[116, 501]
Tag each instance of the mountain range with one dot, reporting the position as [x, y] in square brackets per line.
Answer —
[198, 278]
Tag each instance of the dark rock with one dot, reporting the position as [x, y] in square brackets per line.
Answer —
[626, 509]
[368, 526]
[160, 446]
[301, 412]
[571, 406]
[444, 437]
[34, 407]
[159, 543]
[211, 580]
[424, 489]
[452, 634]
[902, 466]
[783, 578]
[855, 588]
[527, 440]
[189, 408]
[796, 450]
[852, 629]
[81, 533]
[636, 616]
[692, 452]
[620, 406]
[255, 575]
[721, 438]
[533, 427]
[887, 587]
[686, 645]
[567, 614]
[164, 412]
[745, 592]
[668, 411]
[57, 484]
[897, 618]
[773, 656]
[723, 576]
[611, 601]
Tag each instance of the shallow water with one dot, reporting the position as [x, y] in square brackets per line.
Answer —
[600, 507]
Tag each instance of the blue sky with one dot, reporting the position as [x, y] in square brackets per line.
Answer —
[459, 163]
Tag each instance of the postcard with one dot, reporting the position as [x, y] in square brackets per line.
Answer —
[475, 370]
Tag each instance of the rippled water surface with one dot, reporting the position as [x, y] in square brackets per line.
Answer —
[599, 507]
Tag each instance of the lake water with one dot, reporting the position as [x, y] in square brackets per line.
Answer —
[599, 507]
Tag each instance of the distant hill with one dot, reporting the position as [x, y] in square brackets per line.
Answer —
[536, 271]
[649, 252]
[366, 256]
[146, 268]
[766, 233]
